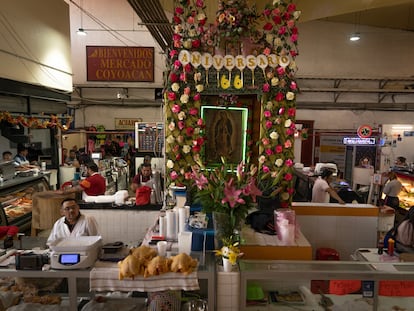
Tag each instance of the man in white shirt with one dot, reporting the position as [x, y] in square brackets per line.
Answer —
[322, 191]
[73, 223]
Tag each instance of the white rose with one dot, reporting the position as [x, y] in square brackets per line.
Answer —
[181, 115]
[274, 81]
[276, 2]
[288, 123]
[199, 88]
[296, 14]
[171, 126]
[201, 16]
[269, 38]
[292, 65]
[186, 148]
[279, 162]
[180, 139]
[170, 139]
[262, 159]
[184, 98]
[192, 32]
[175, 87]
[274, 135]
[269, 105]
[290, 95]
[278, 41]
[197, 131]
[170, 164]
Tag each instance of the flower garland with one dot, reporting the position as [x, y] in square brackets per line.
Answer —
[279, 98]
[37, 122]
[277, 94]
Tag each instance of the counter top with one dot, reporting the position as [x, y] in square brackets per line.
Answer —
[149, 207]
[335, 209]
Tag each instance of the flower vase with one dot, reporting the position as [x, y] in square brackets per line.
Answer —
[222, 228]
[227, 266]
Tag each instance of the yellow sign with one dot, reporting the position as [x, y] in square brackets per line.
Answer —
[126, 124]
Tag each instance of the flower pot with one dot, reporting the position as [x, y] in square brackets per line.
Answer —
[227, 266]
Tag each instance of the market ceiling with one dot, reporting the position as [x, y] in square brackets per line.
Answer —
[395, 14]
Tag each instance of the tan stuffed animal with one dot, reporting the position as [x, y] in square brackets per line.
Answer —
[183, 263]
[130, 267]
[158, 265]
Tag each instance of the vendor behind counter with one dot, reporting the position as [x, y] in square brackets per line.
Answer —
[304, 182]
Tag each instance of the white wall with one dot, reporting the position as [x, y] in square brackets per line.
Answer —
[35, 45]
[324, 48]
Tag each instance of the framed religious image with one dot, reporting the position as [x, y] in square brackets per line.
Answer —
[226, 134]
[233, 48]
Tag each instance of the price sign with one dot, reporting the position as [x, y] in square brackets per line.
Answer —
[396, 288]
[344, 287]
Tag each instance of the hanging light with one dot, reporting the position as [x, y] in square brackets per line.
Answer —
[355, 36]
[81, 32]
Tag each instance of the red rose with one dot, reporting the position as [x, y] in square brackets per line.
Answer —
[196, 149]
[176, 19]
[196, 43]
[268, 26]
[190, 131]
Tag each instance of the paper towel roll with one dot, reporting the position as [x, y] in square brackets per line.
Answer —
[182, 219]
[187, 212]
[171, 224]
[162, 226]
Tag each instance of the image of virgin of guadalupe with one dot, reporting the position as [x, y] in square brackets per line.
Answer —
[224, 135]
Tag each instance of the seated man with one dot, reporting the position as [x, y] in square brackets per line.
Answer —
[73, 223]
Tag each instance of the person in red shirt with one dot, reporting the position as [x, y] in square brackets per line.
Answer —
[93, 185]
[8, 232]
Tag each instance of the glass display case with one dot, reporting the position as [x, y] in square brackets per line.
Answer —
[16, 200]
[406, 195]
[319, 285]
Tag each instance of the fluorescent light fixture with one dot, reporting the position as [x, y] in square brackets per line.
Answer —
[81, 32]
[355, 36]
[402, 127]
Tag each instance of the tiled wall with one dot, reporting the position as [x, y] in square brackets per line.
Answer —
[123, 225]
[343, 233]
[228, 290]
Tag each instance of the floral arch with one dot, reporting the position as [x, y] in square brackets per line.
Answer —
[243, 52]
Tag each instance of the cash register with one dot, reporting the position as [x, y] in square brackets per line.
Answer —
[75, 252]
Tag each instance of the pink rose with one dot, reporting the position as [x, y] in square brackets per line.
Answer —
[280, 71]
[179, 10]
[290, 190]
[171, 96]
[291, 112]
[279, 96]
[187, 90]
[183, 77]
[181, 125]
[176, 108]
[265, 169]
[267, 12]
[289, 162]
[293, 85]
[291, 7]
[294, 38]
[265, 141]
[288, 177]
[190, 20]
[267, 114]
[268, 124]
[200, 3]
[189, 131]
[177, 64]
[279, 149]
[173, 53]
[288, 144]
[282, 110]
[266, 87]
[290, 131]
[193, 111]
[173, 175]
[200, 122]
[197, 97]
[269, 152]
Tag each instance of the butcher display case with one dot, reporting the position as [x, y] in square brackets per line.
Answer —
[16, 200]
